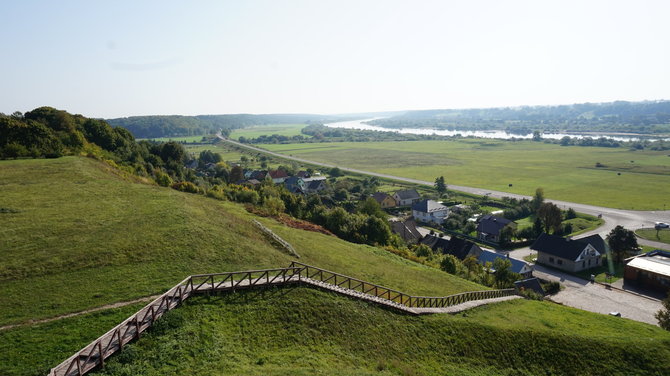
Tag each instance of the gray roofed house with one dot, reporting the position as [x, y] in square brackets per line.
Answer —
[384, 200]
[430, 211]
[407, 197]
[490, 227]
[458, 247]
[435, 242]
[572, 255]
[314, 186]
[295, 184]
[518, 266]
[530, 284]
[406, 230]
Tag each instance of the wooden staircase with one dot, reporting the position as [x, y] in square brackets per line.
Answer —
[95, 353]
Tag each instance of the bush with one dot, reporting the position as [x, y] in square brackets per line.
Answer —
[551, 288]
[186, 186]
[163, 179]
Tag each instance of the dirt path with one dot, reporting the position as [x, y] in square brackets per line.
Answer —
[73, 314]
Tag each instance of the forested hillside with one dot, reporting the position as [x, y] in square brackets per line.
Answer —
[635, 117]
[176, 125]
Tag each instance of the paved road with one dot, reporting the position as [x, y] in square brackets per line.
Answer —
[627, 218]
[597, 298]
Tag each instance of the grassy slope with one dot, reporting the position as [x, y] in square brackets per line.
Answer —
[84, 237]
[566, 173]
[305, 332]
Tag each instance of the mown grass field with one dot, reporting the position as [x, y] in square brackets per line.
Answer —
[303, 331]
[651, 234]
[565, 173]
[268, 130]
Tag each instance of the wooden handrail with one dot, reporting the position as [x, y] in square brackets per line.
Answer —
[95, 353]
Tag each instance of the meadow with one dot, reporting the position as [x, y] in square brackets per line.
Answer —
[635, 180]
[662, 236]
[268, 130]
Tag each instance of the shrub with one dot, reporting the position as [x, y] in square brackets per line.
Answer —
[163, 179]
[186, 186]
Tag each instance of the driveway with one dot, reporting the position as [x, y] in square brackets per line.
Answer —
[579, 293]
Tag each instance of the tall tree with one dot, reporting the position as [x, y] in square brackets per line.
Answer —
[538, 199]
[621, 241]
[440, 186]
[551, 217]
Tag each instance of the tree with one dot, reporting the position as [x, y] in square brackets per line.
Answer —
[449, 264]
[538, 199]
[663, 315]
[551, 217]
[440, 186]
[537, 136]
[503, 274]
[621, 241]
[571, 214]
[371, 207]
[236, 174]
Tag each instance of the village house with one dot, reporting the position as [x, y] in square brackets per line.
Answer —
[316, 186]
[384, 200]
[406, 197]
[406, 230]
[458, 247]
[295, 184]
[518, 266]
[278, 176]
[649, 270]
[572, 255]
[430, 211]
[490, 227]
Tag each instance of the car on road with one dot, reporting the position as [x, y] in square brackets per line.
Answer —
[617, 314]
[661, 225]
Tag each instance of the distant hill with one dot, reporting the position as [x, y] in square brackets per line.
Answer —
[176, 125]
[630, 117]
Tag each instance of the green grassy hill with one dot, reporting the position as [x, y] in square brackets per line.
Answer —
[78, 234]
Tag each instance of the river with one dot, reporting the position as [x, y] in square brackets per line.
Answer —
[360, 124]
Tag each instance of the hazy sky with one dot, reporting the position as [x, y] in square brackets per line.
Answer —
[124, 58]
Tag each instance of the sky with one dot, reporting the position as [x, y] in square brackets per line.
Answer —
[127, 58]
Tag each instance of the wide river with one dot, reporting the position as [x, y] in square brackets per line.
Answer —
[360, 124]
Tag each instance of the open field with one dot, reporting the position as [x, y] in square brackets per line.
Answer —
[650, 234]
[304, 331]
[178, 139]
[565, 173]
[269, 130]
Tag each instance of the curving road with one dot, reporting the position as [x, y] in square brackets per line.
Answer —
[630, 219]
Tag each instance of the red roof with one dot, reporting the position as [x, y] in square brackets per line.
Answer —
[277, 174]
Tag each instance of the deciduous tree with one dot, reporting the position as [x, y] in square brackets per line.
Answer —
[621, 241]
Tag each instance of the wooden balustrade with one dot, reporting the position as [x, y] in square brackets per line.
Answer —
[94, 354]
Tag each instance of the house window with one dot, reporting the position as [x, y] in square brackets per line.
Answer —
[584, 263]
[551, 260]
[589, 262]
[560, 262]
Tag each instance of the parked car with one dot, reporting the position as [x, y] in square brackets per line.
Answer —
[661, 225]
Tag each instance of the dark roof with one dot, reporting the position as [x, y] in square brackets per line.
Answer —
[380, 196]
[276, 174]
[462, 248]
[561, 247]
[530, 284]
[596, 241]
[407, 230]
[491, 224]
[293, 180]
[259, 175]
[408, 194]
[314, 184]
[488, 256]
[302, 174]
[428, 206]
[435, 242]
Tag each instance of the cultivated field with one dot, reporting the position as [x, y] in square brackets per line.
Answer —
[268, 130]
[636, 180]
